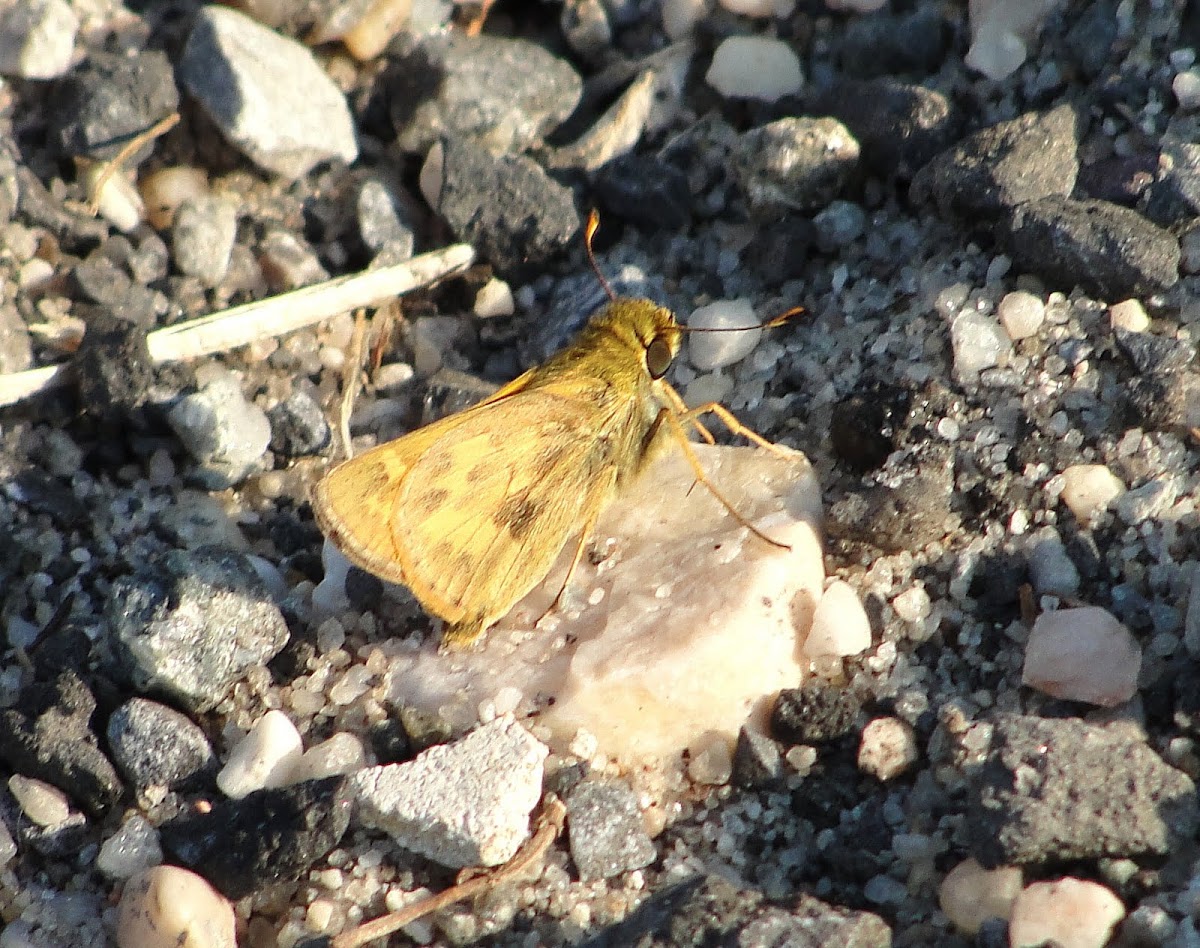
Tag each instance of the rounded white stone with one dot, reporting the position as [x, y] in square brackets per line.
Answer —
[1130, 315]
[970, 894]
[715, 350]
[1089, 489]
[265, 758]
[755, 67]
[495, 298]
[343, 753]
[1021, 314]
[888, 748]
[166, 907]
[1072, 913]
[1082, 654]
[42, 803]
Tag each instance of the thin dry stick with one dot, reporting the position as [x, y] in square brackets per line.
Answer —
[550, 825]
[160, 127]
[350, 379]
[241, 325]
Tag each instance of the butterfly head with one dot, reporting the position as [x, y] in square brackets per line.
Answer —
[644, 327]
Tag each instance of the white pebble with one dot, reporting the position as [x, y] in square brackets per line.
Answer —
[755, 67]
[167, 907]
[1186, 86]
[495, 298]
[713, 765]
[343, 753]
[1082, 654]
[1021, 314]
[1130, 315]
[840, 626]
[979, 342]
[264, 758]
[715, 350]
[710, 387]
[970, 894]
[1071, 913]
[132, 849]
[913, 604]
[888, 747]
[1088, 489]
[42, 803]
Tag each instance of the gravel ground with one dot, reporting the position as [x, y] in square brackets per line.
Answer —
[960, 245]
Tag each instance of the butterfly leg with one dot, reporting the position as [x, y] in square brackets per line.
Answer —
[688, 416]
[672, 419]
[584, 535]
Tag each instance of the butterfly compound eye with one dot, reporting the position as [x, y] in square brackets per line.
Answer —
[658, 357]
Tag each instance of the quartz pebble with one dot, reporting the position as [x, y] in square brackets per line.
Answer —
[132, 849]
[1072, 913]
[1001, 31]
[40, 802]
[1088, 489]
[840, 625]
[343, 753]
[1129, 315]
[265, 757]
[37, 38]
[979, 343]
[495, 298]
[755, 67]
[169, 907]
[888, 747]
[1021, 314]
[970, 894]
[715, 350]
[226, 434]
[1082, 654]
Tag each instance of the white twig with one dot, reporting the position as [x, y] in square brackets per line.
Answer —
[241, 325]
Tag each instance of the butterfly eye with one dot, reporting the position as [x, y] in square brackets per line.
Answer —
[658, 357]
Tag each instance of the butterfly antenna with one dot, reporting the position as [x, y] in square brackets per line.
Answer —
[593, 224]
[769, 324]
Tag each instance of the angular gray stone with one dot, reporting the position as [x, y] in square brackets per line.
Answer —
[461, 804]
[607, 833]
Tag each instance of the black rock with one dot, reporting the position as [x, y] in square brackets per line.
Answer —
[154, 745]
[708, 910]
[756, 760]
[515, 214]
[645, 191]
[1109, 250]
[1120, 180]
[1173, 199]
[1059, 789]
[816, 713]
[899, 125]
[110, 98]
[883, 44]
[113, 368]
[298, 426]
[1150, 353]
[266, 837]
[1166, 401]
[607, 833]
[992, 171]
[48, 736]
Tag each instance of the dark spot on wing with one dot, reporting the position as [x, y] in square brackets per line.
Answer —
[517, 514]
[430, 500]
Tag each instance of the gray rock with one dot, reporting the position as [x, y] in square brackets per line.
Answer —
[226, 434]
[462, 804]
[108, 99]
[1055, 790]
[1146, 502]
[382, 221]
[202, 237]
[607, 833]
[1173, 198]
[510, 92]
[839, 224]
[1051, 569]
[266, 93]
[1111, 251]
[298, 426]
[154, 745]
[507, 206]
[756, 760]
[992, 171]
[795, 163]
[193, 624]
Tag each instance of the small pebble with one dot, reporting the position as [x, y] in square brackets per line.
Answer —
[1088, 489]
[1129, 315]
[970, 894]
[679, 17]
[495, 298]
[266, 757]
[225, 433]
[714, 350]
[169, 907]
[1021, 314]
[840, 626]
[132, 849]
[1186, 86]
[888, 748]
[606, 830]
[202, 237]
[1082, 654]
[39, 801]
[1071, 913]
[755, 67]
[37, 38]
